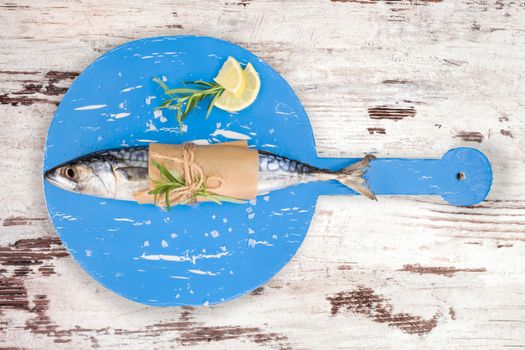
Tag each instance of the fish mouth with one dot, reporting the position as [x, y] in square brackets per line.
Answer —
[57, 180]
[50, 175]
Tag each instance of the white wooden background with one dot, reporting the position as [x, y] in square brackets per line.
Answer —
[401, 78]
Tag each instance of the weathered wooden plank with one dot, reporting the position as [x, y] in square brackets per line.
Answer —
[399, 78]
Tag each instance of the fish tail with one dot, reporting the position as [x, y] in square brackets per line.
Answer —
[352, 177]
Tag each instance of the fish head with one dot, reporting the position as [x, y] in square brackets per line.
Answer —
[90, 176]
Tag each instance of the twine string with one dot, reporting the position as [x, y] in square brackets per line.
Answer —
[193, 175]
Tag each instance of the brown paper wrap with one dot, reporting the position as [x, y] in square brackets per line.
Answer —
[233, 165]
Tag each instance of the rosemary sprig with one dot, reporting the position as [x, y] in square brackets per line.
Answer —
[184, 100]
[172, 180]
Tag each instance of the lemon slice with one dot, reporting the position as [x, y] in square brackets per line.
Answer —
[231, 77]
[231, 103]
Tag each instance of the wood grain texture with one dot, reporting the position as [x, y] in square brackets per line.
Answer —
[396, 78]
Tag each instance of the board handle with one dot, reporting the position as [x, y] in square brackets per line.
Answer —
[462, 177]
[473, 176]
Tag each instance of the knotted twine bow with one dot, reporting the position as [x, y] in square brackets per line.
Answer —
[195, 181]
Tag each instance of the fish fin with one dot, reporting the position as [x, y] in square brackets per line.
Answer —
[352, 177]
[358, 166]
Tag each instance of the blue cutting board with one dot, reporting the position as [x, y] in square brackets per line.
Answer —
[206, 253]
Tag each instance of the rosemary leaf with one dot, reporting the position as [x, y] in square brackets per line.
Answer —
[162, 84]
[163, 171]
[167, 198]
[212, 103]
[160, 189]
[178, 178]
[181, 91]
[212, 198]
[184, 100]
[172, 180]
[201, 83]
[164, 104]
[179, 117]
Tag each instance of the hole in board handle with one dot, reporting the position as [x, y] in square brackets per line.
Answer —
[460, 176]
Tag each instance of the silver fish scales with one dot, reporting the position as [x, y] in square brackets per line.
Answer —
[120, 173]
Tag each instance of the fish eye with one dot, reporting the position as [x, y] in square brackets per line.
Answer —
[69, 172]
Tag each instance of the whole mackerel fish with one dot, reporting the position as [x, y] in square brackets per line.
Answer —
[120, 173]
